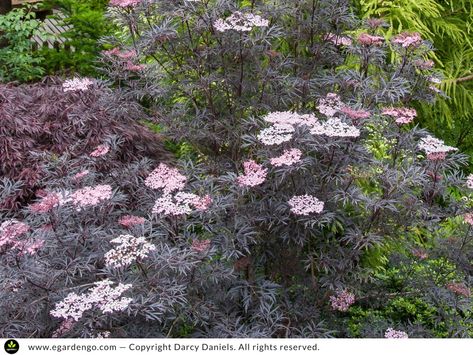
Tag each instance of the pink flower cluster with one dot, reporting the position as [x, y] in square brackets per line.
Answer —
[254, 175]
[305, 205]
[435, 148]
[165, 178]
[469, 181]
[102, 296]
[128, 250]
[395, 334]
[459, 288]
[200, 246]
[47, 203]
[355, 114]
[401, 114]
[330, 104]
[80, 175]
[366, 39]
[77, 84]
[240, 22]
[124, 3]
[11, 230]
[338, 40]
[100, 151]
[91, 196]
[289, 157]
[422, 255]
[128, 57]
[407, 39]
[342, 300]
[181, 203]
[276, 134]
[129, 221]
[468, 218]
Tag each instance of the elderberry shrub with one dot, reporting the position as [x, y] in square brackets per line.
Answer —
[309, 204]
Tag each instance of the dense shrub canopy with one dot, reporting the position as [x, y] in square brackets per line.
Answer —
[304, 201]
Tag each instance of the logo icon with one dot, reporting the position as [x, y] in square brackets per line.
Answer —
[11, 346]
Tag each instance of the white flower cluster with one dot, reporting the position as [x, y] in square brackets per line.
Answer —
[305, 205]
[330, 104]
[102, 296]
[240, 22]
[77, 84]
[334, 127]
[128, 250]
[180, 203]
[277, 134]
[435, 148]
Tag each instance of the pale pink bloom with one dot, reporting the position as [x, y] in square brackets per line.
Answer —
[124, 3]
[134, 67]
[434, 148]
[255, 174]
[424, 64]
[469, 181]
[200, 246]
[459, 288]
[180, 204]
[11, 230]
[355, 114]
[128, 250]
[91, 196]
[112, 52]
[468, 218]
[100, 151]
[46, 204]
[203, 203]
[80, 175]
[129, 221]
[330, 104]
[102, 296]
[277, 134]
[286, 118]
[289, 157]
[77, 84]
[407, 39]
[395, 334]
[305, 204]
[165, 178]
[370, 40]
[338, 40]
[422, 255]
[402, 115]
[240, 22]
[342, 300]
[127, 54]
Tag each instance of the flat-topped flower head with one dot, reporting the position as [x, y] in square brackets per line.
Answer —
[366, 39]
[100, 151]
[468, 218]
[407, 39]
[181, 203]
[334, 127]
[305, 205]
[255, 174]
[124, 3]
[240, 22]
[342, 300]
[459, 288]
[288, 158]
[128, 250]
[330, 104]
[277, 134]
[11, 230]
[435, 148]
[129, 221]
[77, 84]
[91, 196]
[402, 115]
[47, 203]
[338, 40]
[395, 334]
[355, 114]
[200, 246]
[290, 118]
[165, 178]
